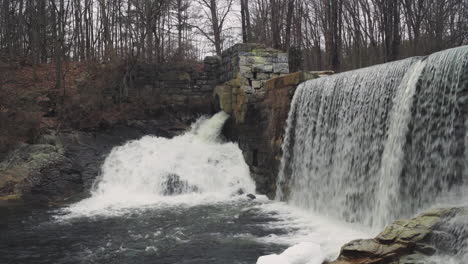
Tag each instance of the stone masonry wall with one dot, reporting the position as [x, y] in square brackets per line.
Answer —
[177, 86]
[256, 91]
[253, 64]
[244, 71]
[260, 132]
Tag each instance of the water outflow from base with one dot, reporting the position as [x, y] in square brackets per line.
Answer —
[379, 143]
[193, 167]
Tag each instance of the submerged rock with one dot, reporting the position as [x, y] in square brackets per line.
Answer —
[410, 241]
[173, 185]
[251, 196]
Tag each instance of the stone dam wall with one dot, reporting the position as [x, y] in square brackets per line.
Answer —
[250, 82]
[258, 124]
[256, 91]
[186, 87]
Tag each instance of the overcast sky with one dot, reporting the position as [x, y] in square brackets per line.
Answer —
[232, 29]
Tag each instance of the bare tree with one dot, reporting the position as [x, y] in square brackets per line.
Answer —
[335, 34]
[245, 18]
[215, 14]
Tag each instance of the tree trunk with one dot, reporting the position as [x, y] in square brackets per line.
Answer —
[245, 15]
[216, 28]
[275, 24]
[289, 15]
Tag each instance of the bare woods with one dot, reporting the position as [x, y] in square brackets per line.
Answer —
[332, 34]
[349, 34]
[46, 45]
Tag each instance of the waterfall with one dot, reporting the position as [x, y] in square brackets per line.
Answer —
[379, 143]
[391, 165]
[193, 167]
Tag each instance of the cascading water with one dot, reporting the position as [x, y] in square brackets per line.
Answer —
[196, 166]
[336, 132]
[379, 143]
[365, 147]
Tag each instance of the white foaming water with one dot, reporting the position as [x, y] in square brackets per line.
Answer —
[135, 176]
[313, 238]
[191, 168]
[393, 153]
[381, 143]
[305, 252]
[361, 149]
[336, 129]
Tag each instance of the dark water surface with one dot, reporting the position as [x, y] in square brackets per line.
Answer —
[215, 233]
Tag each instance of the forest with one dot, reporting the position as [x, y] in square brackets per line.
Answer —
[327, 34]
[234, 131]
[46, 45]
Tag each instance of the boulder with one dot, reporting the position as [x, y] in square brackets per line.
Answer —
[36, 169]
[60, 166]
[411, 241]
[251, 196]
[173, 185]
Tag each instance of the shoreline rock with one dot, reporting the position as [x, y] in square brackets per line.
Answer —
[411, 241]
[64, 165]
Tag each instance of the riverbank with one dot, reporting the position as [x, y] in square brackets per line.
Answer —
[63, 165]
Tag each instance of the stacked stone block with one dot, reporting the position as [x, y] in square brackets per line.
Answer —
[185, 86]
[253, 64]
[258, 125]
[256, 91]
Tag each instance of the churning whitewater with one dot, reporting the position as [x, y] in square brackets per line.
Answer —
[361, 149]
[382, 143]
[194, 167]
[154, 174]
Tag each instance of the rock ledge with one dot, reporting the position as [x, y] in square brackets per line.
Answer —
[411, 241]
